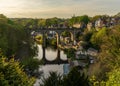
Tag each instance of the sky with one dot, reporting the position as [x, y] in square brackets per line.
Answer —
[57, 8]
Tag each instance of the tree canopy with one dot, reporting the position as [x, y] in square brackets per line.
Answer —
[13, 38]
[12, 73]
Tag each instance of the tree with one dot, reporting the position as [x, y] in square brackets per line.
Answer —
[76, 78]
[70, 53]
[54, 79]
[85, 19]
[98, 38]
[79, 19]
[109, 47]
[14, 39]
[12, 74]
[66, 34]
[31, 66]
[113, 78]
[15, 42]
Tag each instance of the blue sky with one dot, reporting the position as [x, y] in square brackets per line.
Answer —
[58, 8]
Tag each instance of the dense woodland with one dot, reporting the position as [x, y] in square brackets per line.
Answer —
[17, 51]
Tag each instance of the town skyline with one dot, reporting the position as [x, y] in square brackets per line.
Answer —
[57, 8]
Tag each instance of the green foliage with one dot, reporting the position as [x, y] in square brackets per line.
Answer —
[109, 56]
[13, 38]
[99, 37]
[84, 19]
[26, 22]
[76, 78]
[53, 21]
[66, 34]
[52, 42]
[39, 39]
[53, 79]
[113, 78]
[36, 23]
[31, 63]
[70, 53]
[86, 37]
[11, 74]
[111, 46]
[31, 66]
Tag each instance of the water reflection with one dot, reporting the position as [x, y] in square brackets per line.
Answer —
[47, 68]
[55, 68]
[40, 52]
[51, 53]
[63, 55]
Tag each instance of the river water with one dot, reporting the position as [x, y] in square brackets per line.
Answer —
[50, 55]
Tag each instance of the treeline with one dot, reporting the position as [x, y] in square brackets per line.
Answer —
[59, 22]
[51, 22]
[14, 39]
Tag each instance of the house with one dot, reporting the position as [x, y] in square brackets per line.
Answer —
[99, 23]
[89, 26]
[77, 25]
[92, 60]
[92, 52]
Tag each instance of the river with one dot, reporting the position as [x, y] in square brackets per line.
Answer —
[50, 55]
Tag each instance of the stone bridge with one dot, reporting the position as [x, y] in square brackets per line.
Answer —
[43, 31]
[58, 31]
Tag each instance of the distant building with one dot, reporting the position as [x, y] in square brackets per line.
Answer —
[77, 25]
[92, 60]
[89, 26]
[92, 51]
[99, 23]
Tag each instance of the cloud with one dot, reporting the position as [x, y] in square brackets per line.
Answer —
[60, 8]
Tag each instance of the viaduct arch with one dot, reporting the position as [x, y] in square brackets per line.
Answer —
[43, 31]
